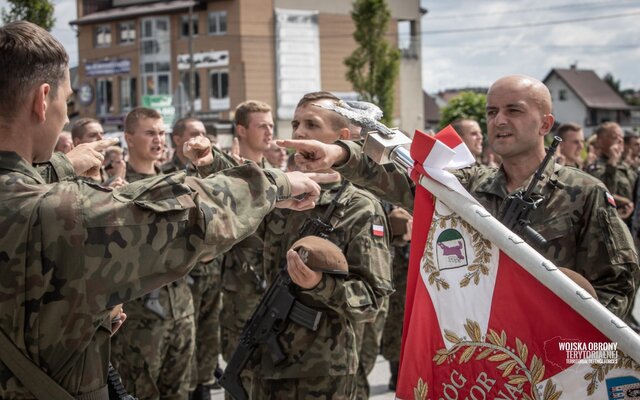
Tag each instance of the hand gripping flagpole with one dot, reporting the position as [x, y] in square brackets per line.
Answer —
[384, 145]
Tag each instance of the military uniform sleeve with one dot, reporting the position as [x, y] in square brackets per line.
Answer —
[606, 254]
[221, 161]
[57, 169]
[388, 181]
[611, 176]
[361, 294]
[119, 245]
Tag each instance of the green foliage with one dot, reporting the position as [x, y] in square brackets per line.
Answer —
[611, 81]
[374, 66]
[40, 12]
[468, 105]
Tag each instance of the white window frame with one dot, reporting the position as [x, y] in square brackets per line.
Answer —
[218, 103]
[218, 17]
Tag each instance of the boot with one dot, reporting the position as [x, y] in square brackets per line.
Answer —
[393, 367]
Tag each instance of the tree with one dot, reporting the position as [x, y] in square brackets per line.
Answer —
[611, 81]
[374, 66]
[40, 12]
[468, 105]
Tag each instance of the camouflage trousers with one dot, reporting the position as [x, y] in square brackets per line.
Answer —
[392, 332]
[154, 357]
[321, 387]
[368, 338]
[207, 302]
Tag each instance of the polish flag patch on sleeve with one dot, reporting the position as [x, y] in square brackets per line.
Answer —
[378, 230]
[610, 199]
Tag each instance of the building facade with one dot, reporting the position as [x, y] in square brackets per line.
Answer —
[138, 52]
[580, 96]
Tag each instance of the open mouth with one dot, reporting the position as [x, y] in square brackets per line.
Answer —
[503, 135]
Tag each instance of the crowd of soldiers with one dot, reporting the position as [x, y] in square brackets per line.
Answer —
[175, 255]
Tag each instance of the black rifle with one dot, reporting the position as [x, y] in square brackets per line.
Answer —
[277, 306]
[115, 386]
[520, 205]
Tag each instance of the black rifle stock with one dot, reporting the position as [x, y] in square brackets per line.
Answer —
[521, 204]
[277, 307]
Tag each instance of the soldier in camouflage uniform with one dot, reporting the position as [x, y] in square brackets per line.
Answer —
[153, 351]
[618, 176]
[584, 231]
[243, 276]
[89, 130]
[204, 279]
[392, 332]
[324, 363]
[73, 250]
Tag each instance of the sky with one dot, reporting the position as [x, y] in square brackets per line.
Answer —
[471, 43]
[468, 43]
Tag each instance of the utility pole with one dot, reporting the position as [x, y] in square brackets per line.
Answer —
[192, 76]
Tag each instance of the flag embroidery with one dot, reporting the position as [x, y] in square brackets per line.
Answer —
[610, 199]
[378, 230]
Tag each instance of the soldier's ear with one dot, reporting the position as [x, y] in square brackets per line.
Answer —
[39, 102]
[241, 131]
[547, 124]
[345, 134]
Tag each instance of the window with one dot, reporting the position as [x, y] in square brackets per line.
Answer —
[102, 36]
[126, 32]
[562, 95]
[155, 56]
[184, 25]
[219, 90]
[186, 84]
[217, 23]
[128, 94]
[104, 103]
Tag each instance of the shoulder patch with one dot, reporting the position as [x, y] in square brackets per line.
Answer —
[377, 230]
[609, 198]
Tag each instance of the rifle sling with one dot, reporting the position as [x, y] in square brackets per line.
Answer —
[41, 385]
[326, 217]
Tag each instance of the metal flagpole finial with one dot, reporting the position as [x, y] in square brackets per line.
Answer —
[360, 113]
[382, 144]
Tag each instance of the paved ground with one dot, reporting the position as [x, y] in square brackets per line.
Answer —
[379, 379]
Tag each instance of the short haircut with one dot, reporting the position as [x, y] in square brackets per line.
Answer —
[181, 125]
[113, 150]
[337, 121]
[245, 108]
[78, 128]
[628, 135]
[457, 123]
[568, 127]
[29, 56]
[606, 127]
[131, 120]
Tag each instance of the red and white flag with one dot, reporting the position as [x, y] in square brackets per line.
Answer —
[486, 316]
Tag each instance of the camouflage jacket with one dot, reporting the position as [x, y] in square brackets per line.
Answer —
[71, 250]
[243, 276]
[584, 231]
[175, 165]
[620, 180]
[175, 298]
[331, 350]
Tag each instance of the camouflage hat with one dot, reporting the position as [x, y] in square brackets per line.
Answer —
[580, 280]
[321, 255]
[398, 219]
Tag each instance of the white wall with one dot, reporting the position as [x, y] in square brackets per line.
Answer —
[570, 110]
